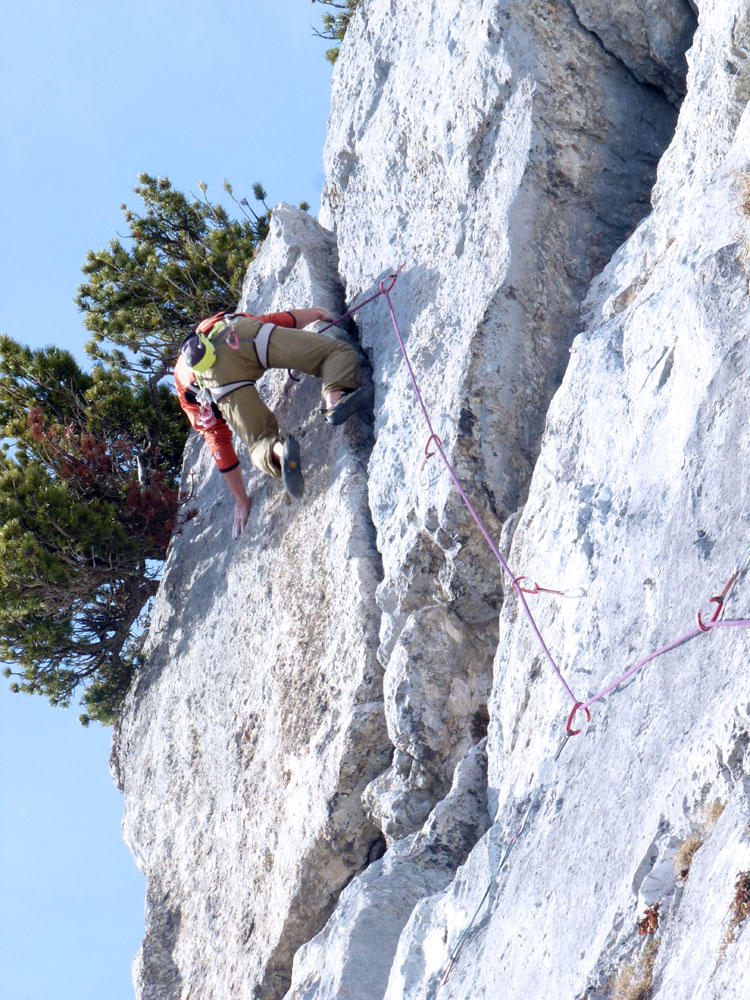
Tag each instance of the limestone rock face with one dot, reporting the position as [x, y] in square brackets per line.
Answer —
[502, 165]
[352, 956]
[650, 38]
[252, 732]
[638, 497]
[321, 690]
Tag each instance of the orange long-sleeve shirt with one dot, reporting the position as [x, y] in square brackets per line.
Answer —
[219, 435]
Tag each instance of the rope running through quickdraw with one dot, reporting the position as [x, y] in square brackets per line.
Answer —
[720, 601]
[433, 438]
[702, 627]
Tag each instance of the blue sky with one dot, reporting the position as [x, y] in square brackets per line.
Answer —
[94, 93]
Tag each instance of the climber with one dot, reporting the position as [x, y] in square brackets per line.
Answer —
[215, 377]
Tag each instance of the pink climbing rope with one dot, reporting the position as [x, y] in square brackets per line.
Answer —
[477, 520]
[701, 627]
[365, 302]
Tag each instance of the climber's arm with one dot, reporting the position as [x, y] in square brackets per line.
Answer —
[299, 318]
[218, 437]
[236, 485]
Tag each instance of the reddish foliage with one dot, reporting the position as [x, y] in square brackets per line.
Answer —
[154, 510]
[149, 510]
[82, 458]
[36, 422]
[740, 908]
[650, 922]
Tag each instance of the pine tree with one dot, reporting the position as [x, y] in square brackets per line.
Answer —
[90, 461]
[186, 259]
[88, 502]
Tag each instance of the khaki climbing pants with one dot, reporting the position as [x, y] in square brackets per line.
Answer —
[333, 361]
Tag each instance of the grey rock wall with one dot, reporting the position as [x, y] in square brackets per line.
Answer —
[322, 688]
[351, 958]
[650, 37]
[502, 167]
[637, 496]
[251, 734]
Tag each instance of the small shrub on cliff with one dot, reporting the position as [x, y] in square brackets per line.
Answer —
[740, 908]
[744, 185]
[635, 980]
[335, 24]
[683, 856]
[743, 237]
[739, 911]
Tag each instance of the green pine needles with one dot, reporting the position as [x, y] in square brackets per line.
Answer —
[90, 464]
[185, 260]
[335, 24]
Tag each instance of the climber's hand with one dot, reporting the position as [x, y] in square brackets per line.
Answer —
[241, 514]
[323, 316]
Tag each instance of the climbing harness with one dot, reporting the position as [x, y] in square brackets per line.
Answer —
[261, 340]
[205, 397]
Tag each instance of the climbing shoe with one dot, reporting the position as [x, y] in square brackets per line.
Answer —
[291, 469]
[351, 402]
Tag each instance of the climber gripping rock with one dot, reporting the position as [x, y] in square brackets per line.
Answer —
[215, 376]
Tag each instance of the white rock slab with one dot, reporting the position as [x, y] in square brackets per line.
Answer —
[258, 719]
[639, 495]
[501, 167]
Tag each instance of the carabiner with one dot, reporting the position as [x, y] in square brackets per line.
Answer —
[718, 600]
[394, 278]
[575, 732]
[232, 339]
[206, 416]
